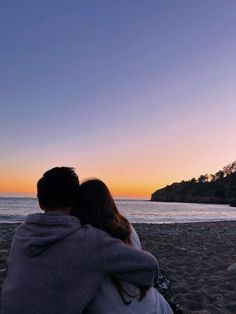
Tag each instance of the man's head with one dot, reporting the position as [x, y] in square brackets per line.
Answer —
[58, 189]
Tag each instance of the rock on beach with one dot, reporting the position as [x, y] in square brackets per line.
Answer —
[232, 269]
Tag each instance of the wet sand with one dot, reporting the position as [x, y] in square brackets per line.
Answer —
[195, 257]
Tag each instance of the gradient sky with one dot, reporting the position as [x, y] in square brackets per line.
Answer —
[137, 93]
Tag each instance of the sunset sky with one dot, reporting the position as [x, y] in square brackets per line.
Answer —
[138, 93]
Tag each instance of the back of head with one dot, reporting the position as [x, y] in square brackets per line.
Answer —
[58, 188]
[97, 208]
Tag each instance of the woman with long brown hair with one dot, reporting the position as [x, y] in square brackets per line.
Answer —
[97, 208]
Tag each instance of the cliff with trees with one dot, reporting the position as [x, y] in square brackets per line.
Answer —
[218, 188]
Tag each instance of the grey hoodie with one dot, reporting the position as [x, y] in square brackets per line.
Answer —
[56, 266]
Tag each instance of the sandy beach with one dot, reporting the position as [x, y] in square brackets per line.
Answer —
[194, 256]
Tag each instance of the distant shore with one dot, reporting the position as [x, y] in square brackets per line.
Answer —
[195, 257]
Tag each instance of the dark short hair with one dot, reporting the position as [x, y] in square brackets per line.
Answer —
[58, 188]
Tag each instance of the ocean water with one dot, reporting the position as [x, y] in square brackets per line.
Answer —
[15, 210]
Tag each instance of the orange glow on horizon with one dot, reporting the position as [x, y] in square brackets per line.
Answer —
[126, 180]
[17, 190]
[129, 190]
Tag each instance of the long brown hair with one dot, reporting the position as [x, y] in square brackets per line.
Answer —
[97, 208]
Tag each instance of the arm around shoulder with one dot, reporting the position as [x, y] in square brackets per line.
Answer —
[127, 263]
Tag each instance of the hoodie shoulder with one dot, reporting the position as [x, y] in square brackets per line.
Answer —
[39, 231]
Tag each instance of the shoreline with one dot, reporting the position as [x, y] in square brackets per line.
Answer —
[195, 257]
[3, 223]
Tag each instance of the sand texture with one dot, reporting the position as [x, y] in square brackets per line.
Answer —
[195, 257]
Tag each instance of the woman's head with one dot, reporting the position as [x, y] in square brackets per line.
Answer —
[97, 208]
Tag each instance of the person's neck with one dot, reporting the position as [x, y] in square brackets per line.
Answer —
[64, 211]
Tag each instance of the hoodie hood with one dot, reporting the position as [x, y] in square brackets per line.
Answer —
[42, 230]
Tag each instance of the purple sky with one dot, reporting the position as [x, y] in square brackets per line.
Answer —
[138, 93]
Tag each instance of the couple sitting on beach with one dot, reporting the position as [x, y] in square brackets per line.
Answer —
[79, 256]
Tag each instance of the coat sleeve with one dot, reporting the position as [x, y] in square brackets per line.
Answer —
[127, 263]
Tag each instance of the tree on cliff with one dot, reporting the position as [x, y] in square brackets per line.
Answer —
[203, 178]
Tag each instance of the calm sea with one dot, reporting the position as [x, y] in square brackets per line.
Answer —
[15, 210]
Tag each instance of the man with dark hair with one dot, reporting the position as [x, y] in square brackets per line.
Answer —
[58, 189]
[55, 265]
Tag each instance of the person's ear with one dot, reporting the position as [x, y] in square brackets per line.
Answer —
[42, 207]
